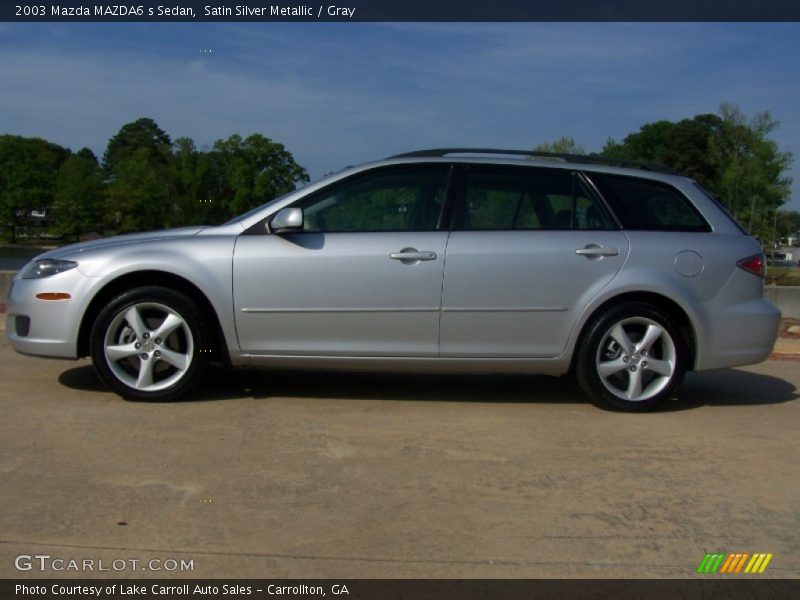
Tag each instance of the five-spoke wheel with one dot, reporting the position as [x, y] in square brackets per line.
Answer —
[632, 358]
[147, 343]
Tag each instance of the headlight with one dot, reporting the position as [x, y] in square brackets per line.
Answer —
[44, 268]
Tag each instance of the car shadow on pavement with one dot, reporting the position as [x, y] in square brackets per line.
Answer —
[724, 387]
[733, 387]
[227, 384]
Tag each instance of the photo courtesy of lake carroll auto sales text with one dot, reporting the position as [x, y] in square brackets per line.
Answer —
[129, 590]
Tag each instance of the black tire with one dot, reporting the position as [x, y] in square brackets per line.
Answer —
[660, 367]
[113, 334]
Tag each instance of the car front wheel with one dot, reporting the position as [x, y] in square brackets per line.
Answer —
[632, 358]
[148, 344]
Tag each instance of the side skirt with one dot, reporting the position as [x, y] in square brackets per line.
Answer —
[540, 366]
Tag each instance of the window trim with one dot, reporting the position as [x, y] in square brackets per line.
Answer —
[610, 214]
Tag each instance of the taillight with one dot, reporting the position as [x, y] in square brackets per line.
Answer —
[753, 264]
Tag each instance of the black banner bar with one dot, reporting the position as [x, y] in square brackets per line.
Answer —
[401, 10]
[711, 587]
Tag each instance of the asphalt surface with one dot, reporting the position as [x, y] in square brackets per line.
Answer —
[280, 474]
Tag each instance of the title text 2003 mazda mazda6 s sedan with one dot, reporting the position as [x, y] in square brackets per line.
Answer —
[446, 260]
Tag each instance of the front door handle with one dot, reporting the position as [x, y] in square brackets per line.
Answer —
[594, 250]
[412, 255]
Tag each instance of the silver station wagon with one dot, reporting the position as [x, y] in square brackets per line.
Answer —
[459, 260]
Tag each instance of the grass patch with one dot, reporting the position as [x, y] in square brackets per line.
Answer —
[783, 276]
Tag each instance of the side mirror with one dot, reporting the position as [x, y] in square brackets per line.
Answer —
[286, 220]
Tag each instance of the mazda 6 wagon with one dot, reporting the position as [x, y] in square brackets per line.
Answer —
[456, 260]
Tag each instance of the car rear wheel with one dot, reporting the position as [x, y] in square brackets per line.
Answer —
[632, 358]
[148, 344]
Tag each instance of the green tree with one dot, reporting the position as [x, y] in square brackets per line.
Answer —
[139, 196]
[254, 170]
[143, 133]
[77, 206]
[28, 168]
[198, 183]
[187, 185]
[138, 167]
[563, 145]
[647, 144]
[788, 224]
[752, 169]
[685, 146]
[145, 181]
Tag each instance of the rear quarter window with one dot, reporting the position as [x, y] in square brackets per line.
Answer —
[648, 205]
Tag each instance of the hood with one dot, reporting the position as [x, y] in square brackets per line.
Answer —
[117, 240]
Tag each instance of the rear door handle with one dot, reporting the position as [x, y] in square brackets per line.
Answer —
[413, 255]
[595, 250]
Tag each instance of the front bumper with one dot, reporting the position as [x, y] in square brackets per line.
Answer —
[52, 325]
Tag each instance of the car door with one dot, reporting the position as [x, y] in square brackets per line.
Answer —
[530, 247]
[362, 278]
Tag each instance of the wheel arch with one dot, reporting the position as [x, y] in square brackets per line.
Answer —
[219, 349]
[666, 304]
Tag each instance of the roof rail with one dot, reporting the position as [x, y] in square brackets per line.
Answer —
[575, 158]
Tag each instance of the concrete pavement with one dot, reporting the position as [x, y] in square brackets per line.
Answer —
[279, 474]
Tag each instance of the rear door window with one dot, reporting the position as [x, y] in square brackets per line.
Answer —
[505, 198]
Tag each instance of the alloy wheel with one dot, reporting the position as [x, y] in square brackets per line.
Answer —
[636, 359]
[148, 346]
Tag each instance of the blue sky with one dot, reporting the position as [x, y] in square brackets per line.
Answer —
[342, 93]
